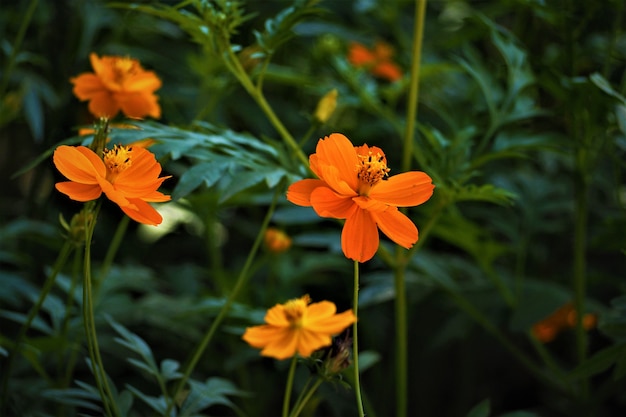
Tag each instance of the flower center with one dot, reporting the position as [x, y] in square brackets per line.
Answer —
[294, 310]
[117, 160]
[371, 169]
[122, 68]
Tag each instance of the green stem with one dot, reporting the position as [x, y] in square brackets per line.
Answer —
[28, 16]
[47, 287]
[256, 93]
[401, 353]
[484, 322]
[580, 276]
[411, 115]
[289, 386]
[114, 246]
[239, 284]
[355, 341]
[89, 321]
[300, 405]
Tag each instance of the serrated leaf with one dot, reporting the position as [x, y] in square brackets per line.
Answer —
[169, 369]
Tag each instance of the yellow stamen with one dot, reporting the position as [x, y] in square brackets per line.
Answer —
[372, 168]
[117, 160]
[294, 310]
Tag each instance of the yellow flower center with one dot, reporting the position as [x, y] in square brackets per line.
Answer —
[371, 169]
[295, 309]
[122, 68]
[117, 160]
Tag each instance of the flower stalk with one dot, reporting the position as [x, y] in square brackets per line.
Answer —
[355, 342]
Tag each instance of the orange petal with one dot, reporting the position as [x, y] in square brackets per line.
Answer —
[359, 238]
[320, 310]
[139, 105]
[79, 164]
[79, 192]
[142, 212]
[299, 193]
[327, 203]
[103, 105]
[309, 342]
[283, 345]
[86, 86]
[359, 54]
[276, 316]
[334, 324]
[335, 180]
[146, 81]
[260, 336]
[404, 190]
[396, 226]
[336, 150]
[388, 71]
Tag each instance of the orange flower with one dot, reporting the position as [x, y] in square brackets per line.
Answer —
[563, 318]
[378, 60]
[352, 186]
[276, 240]
[119, 83]
[128, 176]
[298, 327]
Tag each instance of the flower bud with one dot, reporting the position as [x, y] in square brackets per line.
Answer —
[277, 241]
[326, 106]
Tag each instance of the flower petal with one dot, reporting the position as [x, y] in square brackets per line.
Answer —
[276, 316]
[334, 324]
[333, 177]
[78, 164]
[336, 150]
[404, 190]
[142, 212]
[309, 342]
[138, 104]
[299, 193]
[79, 192]
[87, 85]
[142, 82]
[396, 226]
[327, 203]
[103, 105]
[359, 238]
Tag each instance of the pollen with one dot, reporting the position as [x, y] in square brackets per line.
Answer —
[294, 310]
[117, 159]
[123, 68]
[372, 168]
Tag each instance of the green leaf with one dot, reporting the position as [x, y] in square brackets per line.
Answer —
[482, 409]
[158, 404]
[604, 85]
[599, 362]
[487, 192]
[169, 369]
[212, 392]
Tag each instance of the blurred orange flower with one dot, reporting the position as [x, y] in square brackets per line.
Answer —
[298, 327]
[377, 60]
[276, 240]
[564, 318]
[128, 176]
[118, 83]
[352, 186]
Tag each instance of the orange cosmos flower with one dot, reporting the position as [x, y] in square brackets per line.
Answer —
[128, 176]
[563, 318]
[378, 60]
[298, 327]
[352, 186]
[276, 240]
[118, 83]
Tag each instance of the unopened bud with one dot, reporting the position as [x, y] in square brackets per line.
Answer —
[326, 106]
[276, 240]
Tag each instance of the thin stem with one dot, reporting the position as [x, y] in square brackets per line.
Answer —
[256, 93]
[401, 353]
[300, 405]
[45, 290]
[411, 115]
[17, 44]
[239, 284]
[89, 321]
[355, 341]
[289, 386]
[114, 246]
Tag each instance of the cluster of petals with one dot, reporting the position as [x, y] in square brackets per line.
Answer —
[377, 60]
[352, 185]
[128, 176]
[298, 327]
[563, 318]
[118, 84]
